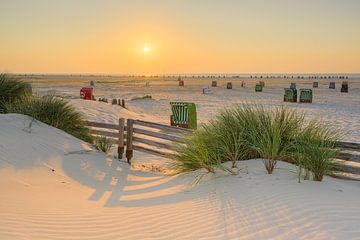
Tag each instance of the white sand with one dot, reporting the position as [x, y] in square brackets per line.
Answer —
[340, 110]
[54, 186]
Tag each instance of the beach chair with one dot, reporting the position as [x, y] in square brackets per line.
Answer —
[229, 85]
[183, 115]
[258, 87]
[207, 90]
[306, 96]
[344, 87]
[290, 95]
[315, 84]
[86, 93]
[293, 85]
[332, 85]
[262, 83]
[214, 84]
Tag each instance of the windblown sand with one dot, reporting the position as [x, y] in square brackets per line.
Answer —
[53, 186]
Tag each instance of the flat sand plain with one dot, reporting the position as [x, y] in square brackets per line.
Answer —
[340, 110]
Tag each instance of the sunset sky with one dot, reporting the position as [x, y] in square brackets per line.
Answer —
[182, 36]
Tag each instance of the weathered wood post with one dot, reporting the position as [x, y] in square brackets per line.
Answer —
[123, 103]
[129, 139]
[121, 138]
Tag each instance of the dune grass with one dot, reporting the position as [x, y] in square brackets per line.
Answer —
[141, 98]
[52, 111]
[316, 146]
[11, 89]
[103, 144]
[245, 132]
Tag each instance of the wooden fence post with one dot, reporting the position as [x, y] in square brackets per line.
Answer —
[129, 139]
[121, 138]
[123, 103]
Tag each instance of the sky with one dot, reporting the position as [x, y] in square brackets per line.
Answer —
[180, 36]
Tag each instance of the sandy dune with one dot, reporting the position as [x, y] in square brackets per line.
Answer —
[57, 187]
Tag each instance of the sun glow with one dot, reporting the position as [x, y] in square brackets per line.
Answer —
[146, 49]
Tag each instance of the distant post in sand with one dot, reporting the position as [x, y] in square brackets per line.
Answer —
[214, 84]
[315, 84]
[181, 83]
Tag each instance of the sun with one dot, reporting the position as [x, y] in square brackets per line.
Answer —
[146, 49]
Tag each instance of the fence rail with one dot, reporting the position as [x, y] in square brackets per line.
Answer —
[162, 140]
[115, 137]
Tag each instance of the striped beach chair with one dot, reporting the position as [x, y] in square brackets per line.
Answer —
[258, 87]
[306, 96]
[290, 95]
[183, 115]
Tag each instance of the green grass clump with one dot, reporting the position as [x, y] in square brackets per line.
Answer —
[11, 89]
[52, 111]
[143, 97]
[246, 132]
[315, 147]
[272, 134]
[103, 144]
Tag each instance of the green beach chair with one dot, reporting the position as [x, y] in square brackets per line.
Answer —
[258, 87]
[183, 115]
[344, 87]
[290, 95]
[306, 96]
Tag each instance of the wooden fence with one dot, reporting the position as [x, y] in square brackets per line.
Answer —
[347, 164]
[153, 138]
[160, 140]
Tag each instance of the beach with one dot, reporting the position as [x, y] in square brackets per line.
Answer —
[55, 186]
[340, 110]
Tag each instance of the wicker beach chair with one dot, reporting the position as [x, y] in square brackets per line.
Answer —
[344, 87]
[183, 115]
[258, 87]
[229, 85]
[290, 95]
[306, 96]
